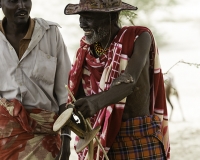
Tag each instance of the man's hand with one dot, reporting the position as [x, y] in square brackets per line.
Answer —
[87, 107]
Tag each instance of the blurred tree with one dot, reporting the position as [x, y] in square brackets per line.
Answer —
[148, 14]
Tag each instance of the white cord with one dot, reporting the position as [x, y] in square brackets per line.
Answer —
[65, 134]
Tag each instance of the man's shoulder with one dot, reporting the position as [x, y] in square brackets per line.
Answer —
[135, 28]
[130, 34]
[52, 23]
[46, 23]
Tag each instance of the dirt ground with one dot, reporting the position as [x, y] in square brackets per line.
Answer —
[185, 141]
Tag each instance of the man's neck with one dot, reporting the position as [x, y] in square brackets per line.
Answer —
[107, 41]
[11, 28]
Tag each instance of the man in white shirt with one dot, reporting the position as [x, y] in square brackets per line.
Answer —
[34, 66]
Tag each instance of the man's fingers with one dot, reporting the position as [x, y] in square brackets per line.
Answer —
[70, 105]
[78, 103]
[84, 113]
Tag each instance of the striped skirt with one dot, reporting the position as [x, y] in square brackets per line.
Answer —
[139, 138]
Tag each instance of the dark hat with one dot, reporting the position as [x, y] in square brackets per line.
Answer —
[97, 6]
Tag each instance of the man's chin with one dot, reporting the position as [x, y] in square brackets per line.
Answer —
[21, 21]
[88, 41]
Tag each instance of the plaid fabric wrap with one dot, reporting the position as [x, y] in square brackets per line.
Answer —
[139, 138]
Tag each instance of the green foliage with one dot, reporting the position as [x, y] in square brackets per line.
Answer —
[127, 15]
[145, 8]
[145, 15]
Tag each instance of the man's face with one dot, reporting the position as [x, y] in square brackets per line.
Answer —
[16, 11]
[95, 25]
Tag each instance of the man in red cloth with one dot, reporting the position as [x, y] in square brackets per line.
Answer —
[118, 83]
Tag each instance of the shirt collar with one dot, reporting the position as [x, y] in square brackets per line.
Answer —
[29, 32]
[1, 25]
[30, 29]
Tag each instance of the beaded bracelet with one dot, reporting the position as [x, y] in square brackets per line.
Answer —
[65, 134]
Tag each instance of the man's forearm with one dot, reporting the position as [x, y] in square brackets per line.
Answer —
[113, 95]
[62, 108]
[65, 136]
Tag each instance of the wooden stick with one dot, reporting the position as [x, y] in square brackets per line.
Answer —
[66, 86]
[104, 152]
[88, 123]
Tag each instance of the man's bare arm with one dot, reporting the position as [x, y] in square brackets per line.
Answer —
[92, 104]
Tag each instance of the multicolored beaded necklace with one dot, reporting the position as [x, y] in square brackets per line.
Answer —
[99, 50]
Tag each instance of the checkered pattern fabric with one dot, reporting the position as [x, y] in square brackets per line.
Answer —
[139, 139]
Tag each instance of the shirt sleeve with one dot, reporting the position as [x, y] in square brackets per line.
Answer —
[62, 71]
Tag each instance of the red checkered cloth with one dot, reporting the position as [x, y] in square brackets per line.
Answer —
[139, 138]
[97, 75]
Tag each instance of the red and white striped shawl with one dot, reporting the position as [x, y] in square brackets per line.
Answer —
[97, 75]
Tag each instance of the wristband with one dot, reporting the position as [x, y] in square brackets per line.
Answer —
[65, 134]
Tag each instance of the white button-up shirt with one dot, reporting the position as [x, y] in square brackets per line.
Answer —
[38, 79]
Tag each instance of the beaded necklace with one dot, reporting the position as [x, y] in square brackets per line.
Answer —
[99, 50]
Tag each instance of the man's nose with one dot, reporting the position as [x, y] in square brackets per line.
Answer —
[21, 4]
[82, 22]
